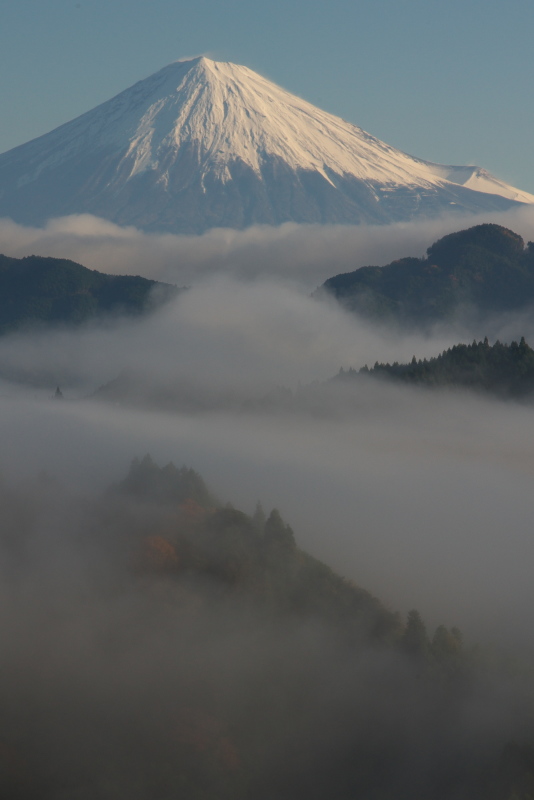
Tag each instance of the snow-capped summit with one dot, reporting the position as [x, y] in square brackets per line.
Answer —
[203, 143]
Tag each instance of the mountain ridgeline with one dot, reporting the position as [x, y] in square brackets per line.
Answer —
[504, 370]
[184, 648]
[480, 271]
[38, 291]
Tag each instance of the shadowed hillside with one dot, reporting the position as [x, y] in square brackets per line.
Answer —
[54, 291]
[482, 270]
[180, 648]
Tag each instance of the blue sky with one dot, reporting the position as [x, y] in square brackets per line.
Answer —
[444, 80]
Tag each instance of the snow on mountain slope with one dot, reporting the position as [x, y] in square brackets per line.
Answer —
[203, 143]
[481, 181]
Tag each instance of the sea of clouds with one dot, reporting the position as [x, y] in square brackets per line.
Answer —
[424, 498]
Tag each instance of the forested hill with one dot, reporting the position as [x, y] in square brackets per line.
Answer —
[182, 648]
[506, 370]
[483, 270]
[501, 369]
[54, 291]
[254, 556]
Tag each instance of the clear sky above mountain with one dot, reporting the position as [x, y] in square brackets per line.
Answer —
[448, 82]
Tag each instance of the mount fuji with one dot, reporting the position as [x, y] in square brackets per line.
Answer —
[203, 144]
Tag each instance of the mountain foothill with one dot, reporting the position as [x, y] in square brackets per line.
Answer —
[43, 292]
[471, 273]
[478, 272]
[221, 660]
[483, 270]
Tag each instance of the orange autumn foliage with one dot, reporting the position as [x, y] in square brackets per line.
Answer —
[158, 554]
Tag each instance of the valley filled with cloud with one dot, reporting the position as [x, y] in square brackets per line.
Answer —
[419, 496]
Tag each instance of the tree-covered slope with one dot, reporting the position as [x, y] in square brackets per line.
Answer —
[54, 291]
[157, 644]
[483, 269]
[505, 370]
[255, 556]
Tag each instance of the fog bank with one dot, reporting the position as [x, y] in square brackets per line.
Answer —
[303, 254]
[422, 497]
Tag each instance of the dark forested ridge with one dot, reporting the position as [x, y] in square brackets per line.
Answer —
[184, 648]
[484, 269]
[54, 291]
[505, 370]
[500, 369]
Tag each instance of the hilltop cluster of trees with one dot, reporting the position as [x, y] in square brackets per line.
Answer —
[255, 556]
[482, 270]
[184, 648]
[506, 370]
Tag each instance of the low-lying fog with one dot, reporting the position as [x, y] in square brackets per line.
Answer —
[424, 498]
[305, 255]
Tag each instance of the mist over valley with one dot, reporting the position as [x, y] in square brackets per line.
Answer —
[232, 378]
[260, 540]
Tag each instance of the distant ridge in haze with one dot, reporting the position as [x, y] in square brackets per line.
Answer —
[204, 144]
